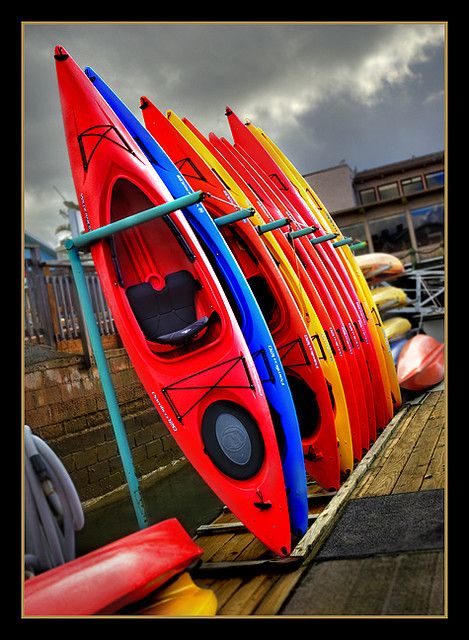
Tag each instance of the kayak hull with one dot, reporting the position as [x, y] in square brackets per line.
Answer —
[396, 348]
[327, 259]
[247, 311]
[387, 297]
[118, 574]
[421, 363]
[181, 598]
[379, 266]
[396, 328]
[155, 276]
[320, 214]
[311, 301]
[257, 265]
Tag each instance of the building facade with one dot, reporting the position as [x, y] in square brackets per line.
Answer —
[397, 208]
[42, 250]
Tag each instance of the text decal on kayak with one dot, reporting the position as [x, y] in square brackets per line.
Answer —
[163, 411]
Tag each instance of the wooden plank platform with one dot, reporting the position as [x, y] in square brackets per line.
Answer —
[414, 458]
[408, 456]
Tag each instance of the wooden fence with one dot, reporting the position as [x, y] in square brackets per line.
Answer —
[52, 313]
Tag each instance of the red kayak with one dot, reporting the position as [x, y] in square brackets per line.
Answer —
[116, 575]
[306, 379]
[332, 312]
[325, 259]
[347, 353]
[421, 363]
[173, 317]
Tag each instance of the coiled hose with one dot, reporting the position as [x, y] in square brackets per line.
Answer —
[53, 510]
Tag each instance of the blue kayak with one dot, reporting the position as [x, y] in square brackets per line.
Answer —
[244, 305]
[396, 348]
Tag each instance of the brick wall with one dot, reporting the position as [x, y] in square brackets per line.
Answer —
[65, 406]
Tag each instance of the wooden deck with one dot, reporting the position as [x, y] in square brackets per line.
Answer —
[414, 458]
[408, 456]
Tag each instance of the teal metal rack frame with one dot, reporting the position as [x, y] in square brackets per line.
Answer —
[83, 241]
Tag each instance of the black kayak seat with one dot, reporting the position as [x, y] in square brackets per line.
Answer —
[167, 316]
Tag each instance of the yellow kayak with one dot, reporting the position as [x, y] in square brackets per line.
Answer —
[396, 328]
[381, 343]
[181, 598]
[389, 297]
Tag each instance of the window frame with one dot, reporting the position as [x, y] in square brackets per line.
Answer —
[412, 180]
[434, 173]
[401, 215]
[373, 189]
[388, 184]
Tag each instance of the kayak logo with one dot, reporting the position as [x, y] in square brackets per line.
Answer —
[276, 365]
[82, 199]
[163, 411]
[90, 139]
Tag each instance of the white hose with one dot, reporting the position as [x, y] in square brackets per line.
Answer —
[53, 510]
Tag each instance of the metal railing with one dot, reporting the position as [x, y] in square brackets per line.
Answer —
[52, 313]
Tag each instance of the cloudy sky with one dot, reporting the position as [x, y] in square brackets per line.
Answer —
[366, 93]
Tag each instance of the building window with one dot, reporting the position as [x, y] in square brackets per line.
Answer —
[358, 234]
[390, 235]
[429, 225]
[435, 179]
[387, 191]
[412, 185]
[367, 196]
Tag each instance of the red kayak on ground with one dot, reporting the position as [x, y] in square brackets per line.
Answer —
[421, 363]
[118, 574]
[173, 317]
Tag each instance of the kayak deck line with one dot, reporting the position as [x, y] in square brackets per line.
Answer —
[248, 579]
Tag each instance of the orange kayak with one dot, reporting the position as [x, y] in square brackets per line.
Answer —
[421, 363]
[379, 266]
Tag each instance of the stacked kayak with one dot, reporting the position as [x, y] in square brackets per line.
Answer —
[380, 266]
[421, 363]
[397, 330]
[387, 297]
[243, 301]
[418, 357]
[396, 327]
[174, 319]
[246, 315]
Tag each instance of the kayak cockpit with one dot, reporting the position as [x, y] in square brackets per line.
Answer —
[158, 270]
[167, 316]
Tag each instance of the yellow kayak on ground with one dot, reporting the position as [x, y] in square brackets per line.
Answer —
[396, 328]
[372, 314]
[181, 598]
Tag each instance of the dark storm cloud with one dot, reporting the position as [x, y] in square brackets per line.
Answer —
[368, 93]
